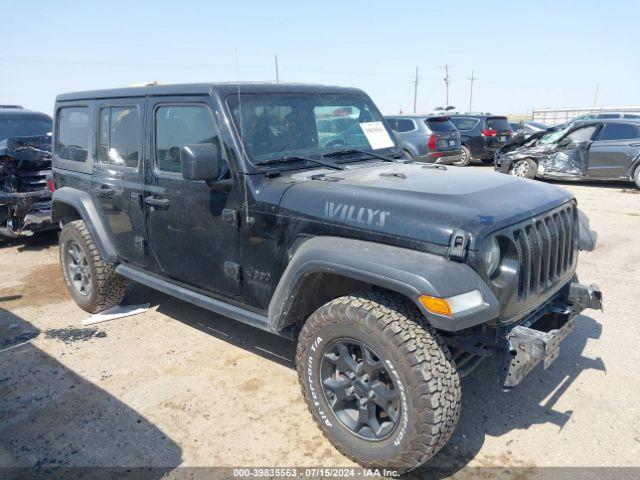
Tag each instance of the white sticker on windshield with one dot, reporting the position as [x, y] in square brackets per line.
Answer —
[376, 135]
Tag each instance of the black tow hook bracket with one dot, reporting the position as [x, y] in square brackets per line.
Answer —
[458, 245]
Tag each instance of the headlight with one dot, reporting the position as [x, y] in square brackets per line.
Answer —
[491, 256]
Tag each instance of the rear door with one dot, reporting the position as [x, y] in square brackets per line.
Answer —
[190, 241]
[118, 174]
[614, 149]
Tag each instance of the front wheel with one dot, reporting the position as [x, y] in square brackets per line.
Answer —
[465, 157]
[380, 385]
[524, 168]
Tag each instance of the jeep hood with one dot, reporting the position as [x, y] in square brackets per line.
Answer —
[424, 203]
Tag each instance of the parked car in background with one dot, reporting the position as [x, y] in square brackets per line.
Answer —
[608, 115]
[25, 162]
[596, 150]
[481, 135]
[427, 138]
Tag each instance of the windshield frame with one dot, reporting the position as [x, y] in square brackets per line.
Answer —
[318, 152]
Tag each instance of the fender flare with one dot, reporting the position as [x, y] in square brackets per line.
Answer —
[83, 203]
[410, 273]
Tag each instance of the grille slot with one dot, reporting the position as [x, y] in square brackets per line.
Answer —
[546, 250]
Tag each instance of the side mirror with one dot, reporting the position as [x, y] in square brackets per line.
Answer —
[200, 161]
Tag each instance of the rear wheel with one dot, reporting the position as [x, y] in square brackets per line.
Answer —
[93, 283]
[465, 157]
[409, 155]
[523, 168]
[636, 176]
[380, 385]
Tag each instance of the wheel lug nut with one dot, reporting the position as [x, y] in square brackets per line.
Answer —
[363, 401]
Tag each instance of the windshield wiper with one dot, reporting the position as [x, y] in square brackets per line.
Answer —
[324, 163]
[347, 151]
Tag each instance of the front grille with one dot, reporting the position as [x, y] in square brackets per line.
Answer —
[546, 250]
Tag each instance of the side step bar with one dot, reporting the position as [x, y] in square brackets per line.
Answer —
[204, 301]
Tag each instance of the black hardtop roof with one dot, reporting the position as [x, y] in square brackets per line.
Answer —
[207, 88]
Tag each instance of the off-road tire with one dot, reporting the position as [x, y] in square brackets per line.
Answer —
[531, 171]
[466, 157]
[420, 361]
[107, 287]
[636, 176]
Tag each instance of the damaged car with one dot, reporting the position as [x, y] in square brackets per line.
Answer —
[598, 150]
[25, 162]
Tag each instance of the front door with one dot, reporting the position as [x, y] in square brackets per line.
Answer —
[117, 182]
[615, 148]
[188, 238]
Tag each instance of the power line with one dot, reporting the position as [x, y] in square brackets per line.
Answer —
[277, 74]
[415, 90]
[471, 80]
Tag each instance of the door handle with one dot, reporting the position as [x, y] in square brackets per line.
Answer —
[107, 191]
[159, 203]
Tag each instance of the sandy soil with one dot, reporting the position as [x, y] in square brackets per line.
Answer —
[179, 386]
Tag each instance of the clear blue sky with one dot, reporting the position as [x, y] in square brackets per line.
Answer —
[534, 54]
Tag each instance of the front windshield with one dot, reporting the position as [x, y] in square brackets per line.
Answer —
[280, 125]
[22, 126]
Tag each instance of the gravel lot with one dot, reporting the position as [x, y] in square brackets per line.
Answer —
[181, 386]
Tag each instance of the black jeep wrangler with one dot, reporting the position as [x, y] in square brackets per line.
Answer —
[291, 208]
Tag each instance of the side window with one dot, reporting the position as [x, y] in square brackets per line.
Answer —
[119, 136]
[392, 123]
[619, 131]
[581, 134]
[72, 133]
[631, 115]
[179, 125]
[405, 125]
[609, 115]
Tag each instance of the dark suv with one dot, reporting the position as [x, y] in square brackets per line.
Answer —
[427, 138]
[481, 136]
[291, 208]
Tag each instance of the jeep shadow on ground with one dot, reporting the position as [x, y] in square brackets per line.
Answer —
[264, 344]
[56, 424]
[486, 408]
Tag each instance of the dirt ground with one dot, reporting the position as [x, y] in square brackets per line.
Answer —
[180, 386]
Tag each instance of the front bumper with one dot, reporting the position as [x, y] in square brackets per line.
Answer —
[528, 346]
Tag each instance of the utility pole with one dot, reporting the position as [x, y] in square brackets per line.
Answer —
[471, 80]
[277, 73]
[595, 96]
[447, 79]
[415, 90]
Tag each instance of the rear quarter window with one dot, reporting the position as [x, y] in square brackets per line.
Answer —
[73, 133]
[499, 124]
[440, 125]
[462, 123]
[405, 125]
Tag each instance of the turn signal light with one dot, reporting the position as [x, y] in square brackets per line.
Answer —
[435, 305]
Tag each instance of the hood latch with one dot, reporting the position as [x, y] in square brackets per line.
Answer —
[458, 245]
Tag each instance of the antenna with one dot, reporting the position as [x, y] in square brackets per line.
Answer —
[241, 131]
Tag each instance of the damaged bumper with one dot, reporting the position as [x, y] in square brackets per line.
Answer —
[23, 214]
[528, 345]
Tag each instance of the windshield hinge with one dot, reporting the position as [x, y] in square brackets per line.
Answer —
[458, 245]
